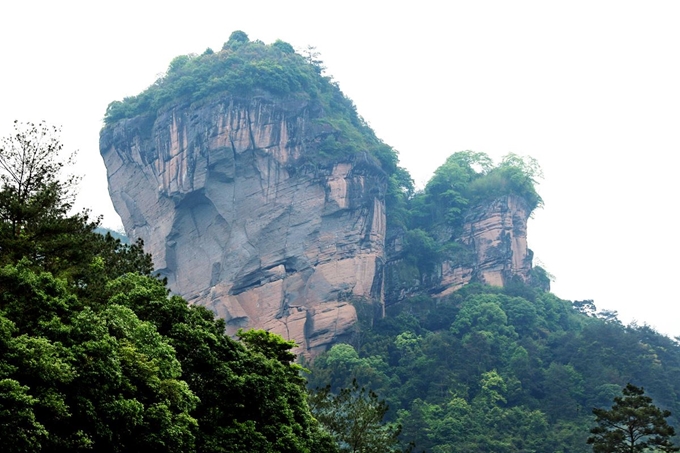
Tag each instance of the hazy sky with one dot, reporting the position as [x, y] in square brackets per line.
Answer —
[590, 89]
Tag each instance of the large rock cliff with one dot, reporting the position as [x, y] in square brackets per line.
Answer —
[239, 220]
[260, 193]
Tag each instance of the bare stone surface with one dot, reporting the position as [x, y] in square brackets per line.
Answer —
[238, 219]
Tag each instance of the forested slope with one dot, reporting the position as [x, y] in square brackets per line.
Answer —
[501, 370]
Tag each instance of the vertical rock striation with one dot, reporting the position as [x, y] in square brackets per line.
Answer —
[240, 220]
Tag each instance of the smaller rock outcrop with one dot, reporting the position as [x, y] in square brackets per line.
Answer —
[490, 248]
[496, 234]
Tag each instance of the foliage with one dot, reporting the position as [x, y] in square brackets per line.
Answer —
[244, 69]
[35, 203]
[354, 417]
[94, 354]
[241, 68]
[421, 249]
[468, 179]
[633, 424]
[430, 221]
[490, 369]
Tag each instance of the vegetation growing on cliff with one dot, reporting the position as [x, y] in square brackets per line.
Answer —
[241, 68]
[468, 179]
[245, 68]
[429, 221]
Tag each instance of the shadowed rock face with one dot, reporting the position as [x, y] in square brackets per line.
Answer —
[238, 219]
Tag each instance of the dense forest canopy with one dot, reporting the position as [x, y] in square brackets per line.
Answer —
[502, 370]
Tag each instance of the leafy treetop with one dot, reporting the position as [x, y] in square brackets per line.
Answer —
[468, 178]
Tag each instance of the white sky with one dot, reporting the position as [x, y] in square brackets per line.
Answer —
[589, 88]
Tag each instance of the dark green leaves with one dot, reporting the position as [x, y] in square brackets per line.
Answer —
[95, 355]
[354, 417]
[633, 424]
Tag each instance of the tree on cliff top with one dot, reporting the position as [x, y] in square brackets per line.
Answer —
[236, 36]
[244, 69]
[633, 424]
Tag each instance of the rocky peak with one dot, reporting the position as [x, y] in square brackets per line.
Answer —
[260, 193]
[490, 248]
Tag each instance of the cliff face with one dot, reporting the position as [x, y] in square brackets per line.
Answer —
[238, 219]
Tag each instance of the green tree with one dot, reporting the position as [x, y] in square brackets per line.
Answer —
[633, 424]
[36, 199]
[238, 36]
[422, 250]
[354, 417]
[95, 355]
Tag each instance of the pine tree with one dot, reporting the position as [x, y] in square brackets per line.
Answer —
[633, 424]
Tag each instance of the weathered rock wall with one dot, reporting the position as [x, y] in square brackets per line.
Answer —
[239, 220]
[496, 233]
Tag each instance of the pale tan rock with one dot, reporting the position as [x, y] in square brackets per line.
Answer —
[238, 221]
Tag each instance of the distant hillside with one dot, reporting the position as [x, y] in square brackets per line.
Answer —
[116, 235]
